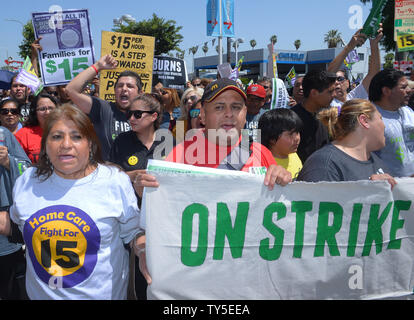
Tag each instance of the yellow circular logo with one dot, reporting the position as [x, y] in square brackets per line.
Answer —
[133, 160]
[59, 247]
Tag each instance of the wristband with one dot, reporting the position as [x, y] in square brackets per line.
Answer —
[94, 68]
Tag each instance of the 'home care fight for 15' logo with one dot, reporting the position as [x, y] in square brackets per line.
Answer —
[62, 242]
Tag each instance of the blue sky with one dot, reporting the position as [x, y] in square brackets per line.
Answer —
[307, 20]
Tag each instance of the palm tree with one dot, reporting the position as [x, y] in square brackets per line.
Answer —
[297, 44]
[253, 43]
[193, 50]
[222, 49]
[205, 48]
[332, 38]
[273, 40]
[179, 54]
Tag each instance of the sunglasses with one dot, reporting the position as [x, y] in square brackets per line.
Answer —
[196, 84]
[192, 98]
[266, 87]
[340, 79]
[194, 113]
[137, 113]
[6, 111]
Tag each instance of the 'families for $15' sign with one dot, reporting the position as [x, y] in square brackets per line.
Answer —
[66, 43]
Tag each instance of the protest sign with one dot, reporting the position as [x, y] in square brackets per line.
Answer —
[171, 72]
[229, 237]
[133, 52]
[280, 96]
[405, 42]
[291, 77]
[28, 77]
[66, 42]
[373, 21]
[404, 18]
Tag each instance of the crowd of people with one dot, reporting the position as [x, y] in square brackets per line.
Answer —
[80, 161]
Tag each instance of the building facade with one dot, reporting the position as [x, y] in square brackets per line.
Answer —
[255, 62]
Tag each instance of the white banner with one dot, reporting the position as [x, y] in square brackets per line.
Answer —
[67, 44]
[219, 235]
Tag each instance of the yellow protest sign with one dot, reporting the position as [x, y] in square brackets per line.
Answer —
[405, 42]
[133, 52]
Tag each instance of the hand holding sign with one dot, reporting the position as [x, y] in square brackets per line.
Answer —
[378, 38]
[36, 45]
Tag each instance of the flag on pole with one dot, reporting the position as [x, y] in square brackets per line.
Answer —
[213, 18]
[291, 77]
[239, 63]
[275, 73]
[351, 58]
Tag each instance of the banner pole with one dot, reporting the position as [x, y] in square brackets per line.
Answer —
[220, 44]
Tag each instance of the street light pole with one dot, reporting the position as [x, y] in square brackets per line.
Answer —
[14, 20]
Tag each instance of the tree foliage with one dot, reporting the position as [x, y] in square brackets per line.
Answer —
[166, 33]
[297, 44]
[332, 38]
[253, 43]
[389, 59]
[28, 38]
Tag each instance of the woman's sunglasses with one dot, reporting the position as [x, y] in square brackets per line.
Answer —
[137, 113]
[192, 98]
[6, 111]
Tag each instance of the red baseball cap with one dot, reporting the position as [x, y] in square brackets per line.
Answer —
[256, 90]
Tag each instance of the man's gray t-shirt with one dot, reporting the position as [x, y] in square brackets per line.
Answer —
[332, 164]
[398, 153]
[108, 122]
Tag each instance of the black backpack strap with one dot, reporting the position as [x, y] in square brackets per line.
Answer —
[238, 157]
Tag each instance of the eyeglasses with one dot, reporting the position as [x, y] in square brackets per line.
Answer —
[53, 93]
[194, 113]
[192, 98]
[44, 109]
[6, 111]
[340, 79]
[164, 93]
[137, 113]
[266, 87]
[196, 84]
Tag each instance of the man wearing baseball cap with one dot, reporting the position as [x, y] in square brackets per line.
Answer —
[222, 143]
[256, 95]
